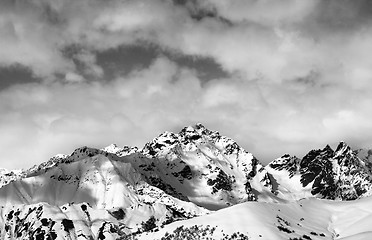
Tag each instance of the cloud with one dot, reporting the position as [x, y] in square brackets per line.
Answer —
[262, 12]
[298, 74]
[56, 118]
[258, 39]
[29, 40]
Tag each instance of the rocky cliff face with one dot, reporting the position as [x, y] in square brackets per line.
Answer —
[330, 174]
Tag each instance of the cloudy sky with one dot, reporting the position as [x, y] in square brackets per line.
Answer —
[276, 76]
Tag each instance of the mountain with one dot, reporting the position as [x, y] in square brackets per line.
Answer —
[122, 191]
[89, 190]
[204, 167]
[194, 176]
[325, 173]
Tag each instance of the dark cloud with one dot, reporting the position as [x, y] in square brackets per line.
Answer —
[15, 74]
[343, 15]
[310, 80]
[124, 59]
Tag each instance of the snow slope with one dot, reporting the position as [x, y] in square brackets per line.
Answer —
[305, 219]
[191, 178]
[106, 182]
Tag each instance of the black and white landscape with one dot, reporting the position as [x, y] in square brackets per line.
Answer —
[286, 83]
[195, 184]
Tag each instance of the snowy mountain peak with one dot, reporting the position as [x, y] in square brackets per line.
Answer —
[114, 192]
[327, 148]
[167, 140]
[126, 150]
[198, 127]
[343, 148]
[164, 140]
[216, 167]
[325, 173]
[287, 162]
[112, 148]
[197, 130]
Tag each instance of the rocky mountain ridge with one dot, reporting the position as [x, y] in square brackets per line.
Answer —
[330, 174]
[115, 192]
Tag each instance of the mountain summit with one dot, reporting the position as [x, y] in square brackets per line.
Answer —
[324, 173]
[116, 192]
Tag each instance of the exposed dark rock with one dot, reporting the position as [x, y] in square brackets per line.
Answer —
[118, 214]
[67, 224]
[222, 182]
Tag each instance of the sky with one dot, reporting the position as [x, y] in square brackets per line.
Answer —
[278, 77]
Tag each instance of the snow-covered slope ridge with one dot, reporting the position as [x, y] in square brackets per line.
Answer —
[89, 182]
[325, 173]
[307, 219]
